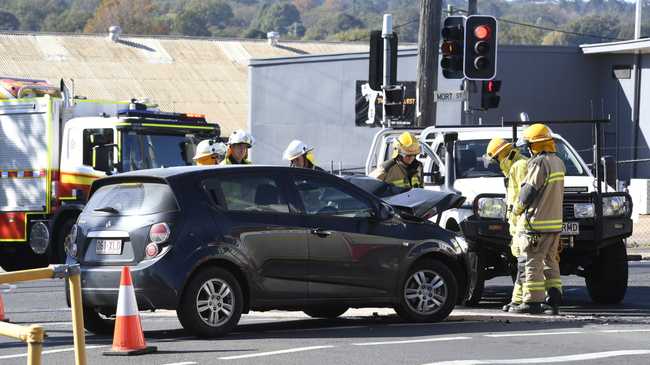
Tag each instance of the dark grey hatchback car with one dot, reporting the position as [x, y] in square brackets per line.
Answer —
[215, 242]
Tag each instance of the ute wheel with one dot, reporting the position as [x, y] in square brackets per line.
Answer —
[97, 322]
[476, 293]
[607, 279]
[211, 304]
[429, 292]
[326, 312]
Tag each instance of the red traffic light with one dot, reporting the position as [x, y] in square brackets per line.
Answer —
[482, 31]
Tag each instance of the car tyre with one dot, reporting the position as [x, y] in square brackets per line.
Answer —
[326, 312]
[428, 281]
[97, 322]
[607, 279]
[212, 303]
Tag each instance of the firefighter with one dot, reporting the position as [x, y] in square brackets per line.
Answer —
[238, 144]
[209, 152]
[403, 169]
[513, 165]
[300, 155]
[540, 206]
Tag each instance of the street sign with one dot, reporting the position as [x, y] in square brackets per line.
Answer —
[449, 96]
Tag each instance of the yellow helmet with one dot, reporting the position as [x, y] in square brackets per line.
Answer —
[537, 133]
[496, 146]
[406, 144]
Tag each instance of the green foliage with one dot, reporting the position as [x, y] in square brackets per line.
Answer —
[8, 21]
[339, 20]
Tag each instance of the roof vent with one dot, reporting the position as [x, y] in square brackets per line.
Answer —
[114, 33]
[273, 38]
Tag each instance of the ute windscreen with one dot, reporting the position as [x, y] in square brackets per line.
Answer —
[132, 199]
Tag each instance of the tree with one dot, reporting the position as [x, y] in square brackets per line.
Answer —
[8, 21]
[333, 24]
[305, 5]
[588, 29]
[134, 16]
[276, 17]
[203, 18]
[70, 21]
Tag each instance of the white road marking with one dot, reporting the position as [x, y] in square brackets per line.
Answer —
[182, 363]
[411, 341]
[541, 360]
[51, 351]
[623, 331]
[535, 334]
[279, 352]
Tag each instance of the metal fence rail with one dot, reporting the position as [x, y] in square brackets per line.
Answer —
[34, 334]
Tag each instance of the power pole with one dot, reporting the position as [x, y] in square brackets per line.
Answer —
[427, 70]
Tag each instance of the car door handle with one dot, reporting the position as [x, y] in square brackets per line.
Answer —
[320, 232]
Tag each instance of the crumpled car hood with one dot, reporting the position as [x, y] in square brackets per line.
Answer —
[420, 203]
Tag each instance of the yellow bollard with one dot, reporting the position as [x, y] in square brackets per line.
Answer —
[74, 279]
[27, 275]
[34, 344]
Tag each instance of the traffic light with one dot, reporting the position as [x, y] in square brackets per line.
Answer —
[394, 102]
[480, 47]
[376, 60]
[489, 97]
[452, 47]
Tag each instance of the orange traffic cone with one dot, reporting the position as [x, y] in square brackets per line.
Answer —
[2, 310]
[128, 338]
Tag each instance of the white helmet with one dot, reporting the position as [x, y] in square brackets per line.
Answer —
[295, 149]
[209, 147]
[241, 136]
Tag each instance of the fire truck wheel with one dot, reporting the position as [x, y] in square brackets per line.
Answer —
[607, 279]
[59, 242]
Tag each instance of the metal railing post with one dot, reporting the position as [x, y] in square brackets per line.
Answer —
[74, 279]
[34, 341]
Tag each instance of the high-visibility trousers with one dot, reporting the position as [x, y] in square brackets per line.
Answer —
[542, 265]
[518, 289]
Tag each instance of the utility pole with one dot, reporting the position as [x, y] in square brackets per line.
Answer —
[427, 69]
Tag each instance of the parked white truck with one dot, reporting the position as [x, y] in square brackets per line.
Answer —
[592, 243]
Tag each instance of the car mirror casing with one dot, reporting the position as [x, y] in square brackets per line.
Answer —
[384, 212]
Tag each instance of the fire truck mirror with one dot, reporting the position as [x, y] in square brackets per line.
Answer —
[103, 158]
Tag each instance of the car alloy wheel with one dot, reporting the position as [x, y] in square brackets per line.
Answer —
[214, 302]
[425, 292]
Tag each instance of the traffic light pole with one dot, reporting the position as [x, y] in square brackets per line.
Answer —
[469, 86]
[427, 69]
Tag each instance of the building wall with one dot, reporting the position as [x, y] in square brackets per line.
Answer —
[313, 98]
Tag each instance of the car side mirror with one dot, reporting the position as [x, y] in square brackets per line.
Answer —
[385, 212]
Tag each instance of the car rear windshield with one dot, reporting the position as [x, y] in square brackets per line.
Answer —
[132, 199]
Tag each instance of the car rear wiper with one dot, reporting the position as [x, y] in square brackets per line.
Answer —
[107, 210]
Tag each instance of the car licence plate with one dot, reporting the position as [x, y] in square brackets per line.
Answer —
[570, 229]
[108, 247]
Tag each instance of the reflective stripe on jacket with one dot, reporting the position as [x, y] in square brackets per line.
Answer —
[544, 213]
[396, 173]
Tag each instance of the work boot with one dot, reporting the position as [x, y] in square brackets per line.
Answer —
[506, 308]
[528, 308]
[554, 300]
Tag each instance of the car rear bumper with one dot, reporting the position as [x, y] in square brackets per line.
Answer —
[100, 287]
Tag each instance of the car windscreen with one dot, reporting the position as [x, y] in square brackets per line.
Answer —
[469, 160]
[148, 151]
[132, 199]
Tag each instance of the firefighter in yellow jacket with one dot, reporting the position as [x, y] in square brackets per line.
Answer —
[540, 206]
[239, 143]
[403, 169]
[513, 165]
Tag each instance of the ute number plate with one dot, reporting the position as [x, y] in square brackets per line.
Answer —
[108, 247]
[570, 229]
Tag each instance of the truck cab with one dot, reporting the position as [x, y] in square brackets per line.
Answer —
[592, 243]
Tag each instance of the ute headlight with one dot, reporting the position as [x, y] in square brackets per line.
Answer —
[39, 238]
[584, 210]
[491, 208]
[614, 206]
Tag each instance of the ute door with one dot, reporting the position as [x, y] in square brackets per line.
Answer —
[350, 254]
[254, 214]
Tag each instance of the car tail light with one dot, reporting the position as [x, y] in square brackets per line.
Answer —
[151, 250]
[159, 233]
